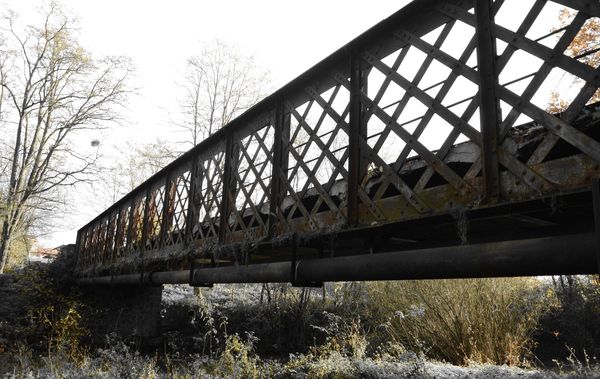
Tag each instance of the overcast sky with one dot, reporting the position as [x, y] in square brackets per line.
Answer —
[285, 37]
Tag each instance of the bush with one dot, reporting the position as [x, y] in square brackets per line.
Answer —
[42, 311]
[52, 317]
[462, 321]
[237, 360]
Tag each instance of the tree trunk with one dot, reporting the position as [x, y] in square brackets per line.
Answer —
[4, 245]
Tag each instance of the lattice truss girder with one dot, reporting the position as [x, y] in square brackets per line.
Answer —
[317, 154]
[414, 111]
[251, 171]
[206, 193]
[176, 206]
[519, 104]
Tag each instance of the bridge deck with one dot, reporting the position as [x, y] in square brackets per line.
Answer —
[402, 140]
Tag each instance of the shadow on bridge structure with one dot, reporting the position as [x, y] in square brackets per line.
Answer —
[421, 149]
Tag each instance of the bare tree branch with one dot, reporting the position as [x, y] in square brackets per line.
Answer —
[220, 83]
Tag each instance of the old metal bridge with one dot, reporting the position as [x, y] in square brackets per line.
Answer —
[421, 149]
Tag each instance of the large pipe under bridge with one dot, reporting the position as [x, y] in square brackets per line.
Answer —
[571, 254]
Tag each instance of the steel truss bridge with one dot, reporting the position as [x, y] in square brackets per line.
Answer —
[421, 149]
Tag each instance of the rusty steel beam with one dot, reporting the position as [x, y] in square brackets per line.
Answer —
[145, 219]
[489, 109]
[353, 138]
[166, 212]
[560, 255]
[130, 227]
[280, 164]
[230, 164]
[193, 208]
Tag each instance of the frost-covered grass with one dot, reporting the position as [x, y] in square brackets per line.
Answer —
[238, 361]
[345, 348]
[344, 330]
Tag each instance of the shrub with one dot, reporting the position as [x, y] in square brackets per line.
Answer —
[52, 317]
[237, 360]
[346, 337]
[462, 321]
[46, 313]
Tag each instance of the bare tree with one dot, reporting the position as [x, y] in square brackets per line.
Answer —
[52, 92]
[220, 83]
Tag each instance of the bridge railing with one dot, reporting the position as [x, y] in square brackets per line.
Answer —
[441, 106]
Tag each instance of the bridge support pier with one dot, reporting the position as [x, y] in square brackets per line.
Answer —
[127, 310]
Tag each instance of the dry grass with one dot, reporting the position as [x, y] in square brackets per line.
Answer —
[463, 321]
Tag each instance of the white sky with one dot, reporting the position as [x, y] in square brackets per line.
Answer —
[286, 38]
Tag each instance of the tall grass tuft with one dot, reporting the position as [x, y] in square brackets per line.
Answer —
[463, 321]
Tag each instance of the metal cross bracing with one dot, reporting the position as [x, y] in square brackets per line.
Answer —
[429, 130]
